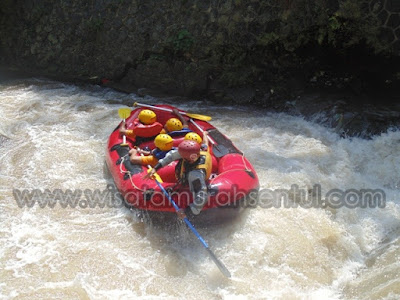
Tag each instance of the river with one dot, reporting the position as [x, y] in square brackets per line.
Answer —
[53, 136]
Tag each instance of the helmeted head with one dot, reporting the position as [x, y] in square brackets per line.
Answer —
[164, 142]
[173, 124]
[193, 136]
[147, 116]
[189, 150]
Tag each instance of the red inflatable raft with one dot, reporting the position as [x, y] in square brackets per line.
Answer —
[233, 180]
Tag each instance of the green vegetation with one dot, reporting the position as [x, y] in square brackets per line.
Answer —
[182, 41]
[230, 43]
[349, 26]
[95, 24]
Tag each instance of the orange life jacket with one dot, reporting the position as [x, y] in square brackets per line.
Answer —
[142, 130]
[203, 163]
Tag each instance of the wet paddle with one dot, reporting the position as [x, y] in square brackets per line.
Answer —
[219, 264]
[190, 115]
[124, 113]
[218, 150]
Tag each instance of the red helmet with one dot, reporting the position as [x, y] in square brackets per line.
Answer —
[187, 148]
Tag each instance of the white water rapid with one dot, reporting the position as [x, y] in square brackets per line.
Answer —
[53, 136]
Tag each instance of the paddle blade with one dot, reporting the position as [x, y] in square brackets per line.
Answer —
[219, 264]
[156, 176]
[190, 115]
[124, 113]
[219, 150]
[199, 117]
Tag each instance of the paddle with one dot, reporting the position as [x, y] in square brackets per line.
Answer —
[124, 113]
[219, 264]
[218, 150]
[190, 115]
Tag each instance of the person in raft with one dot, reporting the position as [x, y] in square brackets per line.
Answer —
[194, 168]
[163, 143]
[176, 127]
[193, 136]
[144, 127]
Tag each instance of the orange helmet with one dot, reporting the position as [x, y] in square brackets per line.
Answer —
[147, 117]
[173, 124]
[193, 137]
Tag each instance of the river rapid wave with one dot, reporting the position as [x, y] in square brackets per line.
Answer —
[53, 136]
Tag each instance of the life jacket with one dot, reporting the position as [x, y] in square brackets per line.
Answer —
[204, 162]
[159, 154]
[141, 130]
[181, 132]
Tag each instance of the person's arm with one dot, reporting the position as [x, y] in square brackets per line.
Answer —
[181, 118]
[122, 129]
[127, 132]
[205, 137]
[170, 157]
[144, 152]
[204, 144]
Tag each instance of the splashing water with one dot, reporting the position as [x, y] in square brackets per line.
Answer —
[53, 136]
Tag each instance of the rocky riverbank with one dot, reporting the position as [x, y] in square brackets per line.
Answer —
[263, 53]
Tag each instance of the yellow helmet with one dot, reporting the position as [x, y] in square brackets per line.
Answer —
[147, 116]
[173, 124]
[193, 137]
[163, 142]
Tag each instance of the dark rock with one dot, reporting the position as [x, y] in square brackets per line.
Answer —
[243, 95]
[393, 5]
[397, 32]
[394, 21]
[382, 16]
[396, 46]
[375, 6]
[256, 52]
[387, 35]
